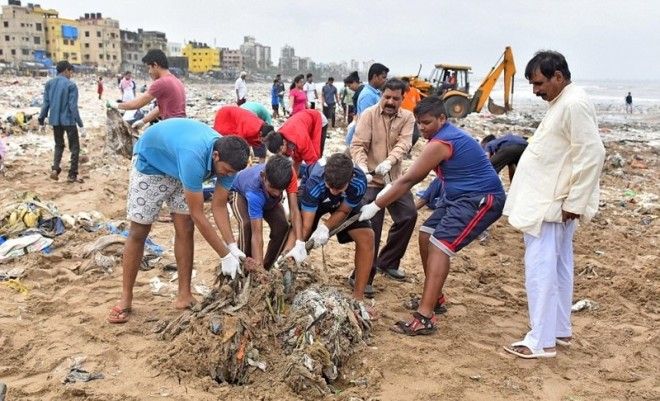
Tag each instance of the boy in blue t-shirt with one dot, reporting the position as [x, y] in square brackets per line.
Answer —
[472, 199]
[275, 98]
[257, 196]
[336, 186]
[171, 160]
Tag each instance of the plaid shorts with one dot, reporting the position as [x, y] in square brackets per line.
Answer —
[146, 194]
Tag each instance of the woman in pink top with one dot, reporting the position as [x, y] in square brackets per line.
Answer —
[297, 97]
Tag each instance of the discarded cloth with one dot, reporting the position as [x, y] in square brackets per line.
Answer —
[23, 245]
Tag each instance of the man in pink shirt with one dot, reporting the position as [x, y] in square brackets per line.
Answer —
[168, 91]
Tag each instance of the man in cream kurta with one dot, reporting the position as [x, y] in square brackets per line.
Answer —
[555, 184]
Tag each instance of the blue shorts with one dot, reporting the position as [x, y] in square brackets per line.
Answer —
[457, 222]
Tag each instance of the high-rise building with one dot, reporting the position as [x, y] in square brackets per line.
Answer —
[255, 55]
[100, 42]
[23, 32]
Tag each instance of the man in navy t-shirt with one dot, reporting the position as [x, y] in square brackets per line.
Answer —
[336, 187]
[171, 160]
[504, 151]
[471, 199]
[258, 197]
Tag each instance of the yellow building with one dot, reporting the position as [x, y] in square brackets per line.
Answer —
[201, 57]
[63, 39]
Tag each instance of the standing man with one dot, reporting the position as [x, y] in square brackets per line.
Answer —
[329, 100]
[556, 184]
[382, 139]
[61, 100]
[310, 90]
[370, 94]
[171, 160]
[127, 87]
[168, 91]
[241, 88]
[629, 107]
[347, 102]
[410, 100]
[280, 90]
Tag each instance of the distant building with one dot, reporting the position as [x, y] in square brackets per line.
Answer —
[152, 40]
[63, 39]
[231, 59]
[131, 51]
[201, 57]
[23, 33]
[100, 42]
[174, 49]
[286, 62]
[255, 55]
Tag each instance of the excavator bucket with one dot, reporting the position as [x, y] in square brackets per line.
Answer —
[494, 108]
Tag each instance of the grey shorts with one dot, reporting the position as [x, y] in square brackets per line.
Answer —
[146, 194]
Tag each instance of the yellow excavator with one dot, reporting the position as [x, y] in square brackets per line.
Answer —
[451, 82]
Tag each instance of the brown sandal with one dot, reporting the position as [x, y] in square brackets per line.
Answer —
[419, 325]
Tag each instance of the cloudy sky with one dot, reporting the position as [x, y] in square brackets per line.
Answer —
[601, 39]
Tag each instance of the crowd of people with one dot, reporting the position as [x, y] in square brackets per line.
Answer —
[554, 182]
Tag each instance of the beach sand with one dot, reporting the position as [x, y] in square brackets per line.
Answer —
[62, 318]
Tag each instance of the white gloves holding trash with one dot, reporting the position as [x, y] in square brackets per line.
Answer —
[230, 265]
[234, 250]
[365, 170]
[321, 235]
[383, 168]
[298, 252]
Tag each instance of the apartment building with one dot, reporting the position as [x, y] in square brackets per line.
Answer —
[100, 42]
[201, 57]
[23, 32]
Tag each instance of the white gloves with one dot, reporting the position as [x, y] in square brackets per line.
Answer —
[138, 124]
[230, 265]
[111, 105]
[368, 211]
[234, 250]
[383, 168]
[366, 172]
[82, 132]
[298, 253]
[321, 235]
[384, 190]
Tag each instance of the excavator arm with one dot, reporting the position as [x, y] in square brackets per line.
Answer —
[505, 65]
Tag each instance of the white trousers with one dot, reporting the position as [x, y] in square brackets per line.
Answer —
[549, 284]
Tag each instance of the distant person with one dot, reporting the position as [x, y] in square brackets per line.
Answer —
[99, 87]
[370, 94]
[555, 185]
[354, 84]
[61, 107]
[310, 90]
[280, 93]
[167, 90]
[410, 100]
[329, 100]
[297, 97]
[257, 196]
[347, 107]
[127, 87]
[241, 88]
[629, 104]
[504, 151]
[300, 138]
[275, 98]
[171, 161]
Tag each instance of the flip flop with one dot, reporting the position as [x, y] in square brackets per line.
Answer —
[534, 355]
[118, 315]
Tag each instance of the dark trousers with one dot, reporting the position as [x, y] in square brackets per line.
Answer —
[324, 133]
[74, 148]
[329, 113]
[404, 216]
[276, 219]
[507, 156]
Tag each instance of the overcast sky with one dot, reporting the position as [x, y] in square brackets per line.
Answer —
[601, 39]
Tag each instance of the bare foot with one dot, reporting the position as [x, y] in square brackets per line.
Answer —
[186, 302]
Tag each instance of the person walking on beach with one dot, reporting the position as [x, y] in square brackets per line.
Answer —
[329, 100]
[279, 89]
[297, 96]
[99, 87]
[310, 90]
[629, 106]
[171, 160]
[241, 89]
[61, 107]
[556, 183]
[166, 89]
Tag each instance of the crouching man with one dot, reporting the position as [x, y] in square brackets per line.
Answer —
[170, 162]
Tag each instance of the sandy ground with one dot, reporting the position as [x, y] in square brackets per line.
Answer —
[62, 317]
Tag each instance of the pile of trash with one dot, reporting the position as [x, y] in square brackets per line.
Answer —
[120, 137]
[271, 323]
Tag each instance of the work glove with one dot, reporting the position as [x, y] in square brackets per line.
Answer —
[109, 104]
[321, 235]
[138, 124]
[384, 190]
[383, 168]
[230, 265]
[366, 173]
[298, 253]
[368, 211]
[82, 132]
[234, 250]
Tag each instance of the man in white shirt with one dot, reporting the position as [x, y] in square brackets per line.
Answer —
[241, 89]
[556, 183]
[310, 90]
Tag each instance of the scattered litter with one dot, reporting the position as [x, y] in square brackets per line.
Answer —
[584, 304]
[77, 374]
[16, 285]
[20, 246]
[12, 274]
[3, 391]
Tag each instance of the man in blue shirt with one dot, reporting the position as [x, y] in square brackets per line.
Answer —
[329, 100]
[61, 99]
[337, 187]
[370, 94]
[257, 196]
[504, 151]
[171, 160]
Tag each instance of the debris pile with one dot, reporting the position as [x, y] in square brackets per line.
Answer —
[267, 321]
[120, 137]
